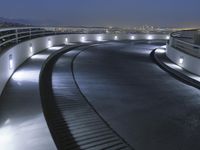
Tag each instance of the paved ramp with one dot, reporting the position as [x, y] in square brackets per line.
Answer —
[103, 96]
[23, 126]
[74, 123]
[145, 105]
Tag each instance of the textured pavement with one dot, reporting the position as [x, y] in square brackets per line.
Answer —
[144, 104]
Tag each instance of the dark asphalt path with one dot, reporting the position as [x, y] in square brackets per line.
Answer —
[149, 108]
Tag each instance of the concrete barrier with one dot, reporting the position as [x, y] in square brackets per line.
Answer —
[186, 61]
[12, 58]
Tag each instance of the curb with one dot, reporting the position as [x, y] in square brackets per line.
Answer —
[177, 74]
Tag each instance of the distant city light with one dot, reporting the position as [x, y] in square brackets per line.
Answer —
[115, 37]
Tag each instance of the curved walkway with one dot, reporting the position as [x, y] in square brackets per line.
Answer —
[73, 122]
[145, 105]
[103, 96]
[23, 126]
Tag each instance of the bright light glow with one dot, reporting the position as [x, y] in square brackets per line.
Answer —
[173, 66]
[26, 75]
[132, 37]
[167, 37]
[10, 62]
[66, 41]
[49, 44]
[99, 38]
[71, 44]
[164, 46]
[55, 48]
[7, 122]
[83, 39]
[31, 49]
[40, 56]
[195, 77]
[6, 138]
[159, 50]
[26, 133]
[115, 37]
[181, 60]
[149, 37]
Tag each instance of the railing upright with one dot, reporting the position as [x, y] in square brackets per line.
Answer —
[16, 35]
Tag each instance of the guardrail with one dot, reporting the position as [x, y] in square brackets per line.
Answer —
[19, 44]
[13, 36]
[184, 41]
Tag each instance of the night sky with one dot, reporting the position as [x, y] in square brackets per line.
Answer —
[166, 13]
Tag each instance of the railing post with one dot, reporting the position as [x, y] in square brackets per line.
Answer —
[55, 31]
[196, 38]
[44, 32]
[30, 33]
[16, 35]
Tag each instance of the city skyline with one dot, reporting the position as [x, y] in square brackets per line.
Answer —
[126, 13]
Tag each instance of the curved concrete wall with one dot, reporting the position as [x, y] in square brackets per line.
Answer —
[189, 63]
[21, 52]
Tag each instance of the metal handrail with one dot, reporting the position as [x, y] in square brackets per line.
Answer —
[33, 32]
[178, 42]
[6, 42]
[7, 35]
[12, 36]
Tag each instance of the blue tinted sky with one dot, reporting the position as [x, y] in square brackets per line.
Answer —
[105, 12]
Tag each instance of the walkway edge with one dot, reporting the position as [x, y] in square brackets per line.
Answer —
[58, 126]
[45, 87]
[175, 73]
